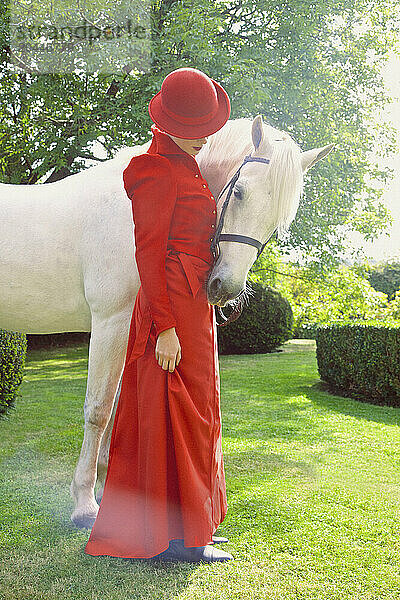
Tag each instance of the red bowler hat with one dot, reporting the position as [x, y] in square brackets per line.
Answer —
[190, 104]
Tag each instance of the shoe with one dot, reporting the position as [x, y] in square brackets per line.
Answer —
[219, 540]
[208, 554]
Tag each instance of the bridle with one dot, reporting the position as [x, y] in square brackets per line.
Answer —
[233, 237]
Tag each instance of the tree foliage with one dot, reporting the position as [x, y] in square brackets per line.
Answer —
[340, 295]
[310, 67]
[385, 278]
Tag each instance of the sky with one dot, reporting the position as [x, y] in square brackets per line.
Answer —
[388, 247]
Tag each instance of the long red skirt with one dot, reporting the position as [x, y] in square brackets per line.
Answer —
[165, 478]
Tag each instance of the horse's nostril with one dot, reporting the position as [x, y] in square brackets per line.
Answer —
[215, 285]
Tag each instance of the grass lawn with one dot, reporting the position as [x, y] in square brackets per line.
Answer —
[313, 485]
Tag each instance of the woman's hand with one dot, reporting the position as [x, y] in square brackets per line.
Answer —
[168, 349]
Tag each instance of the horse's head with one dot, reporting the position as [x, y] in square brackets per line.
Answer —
[264, 199]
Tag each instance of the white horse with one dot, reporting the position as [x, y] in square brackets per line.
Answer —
[67, 260]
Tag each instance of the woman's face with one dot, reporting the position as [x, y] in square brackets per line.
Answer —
[192, 147]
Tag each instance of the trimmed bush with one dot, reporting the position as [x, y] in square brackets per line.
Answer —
[12, 361]
[361, 360]
[264, 324]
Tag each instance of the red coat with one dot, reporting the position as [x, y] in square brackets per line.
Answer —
[165, 477]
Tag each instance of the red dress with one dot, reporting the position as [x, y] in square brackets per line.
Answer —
[165, 477]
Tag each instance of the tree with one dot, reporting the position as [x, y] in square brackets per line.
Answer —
[385, 278]
[310, 67]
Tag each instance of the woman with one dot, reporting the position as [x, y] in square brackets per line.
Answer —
[164, 493]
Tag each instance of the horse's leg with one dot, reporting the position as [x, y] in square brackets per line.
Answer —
[102, 462]
[107, 351]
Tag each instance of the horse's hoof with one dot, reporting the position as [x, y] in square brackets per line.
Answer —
[83, 520]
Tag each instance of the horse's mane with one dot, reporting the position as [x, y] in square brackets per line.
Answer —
[227, 147]
[286, 176]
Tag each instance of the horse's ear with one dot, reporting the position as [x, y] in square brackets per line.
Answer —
[310, 157]
[257, 131]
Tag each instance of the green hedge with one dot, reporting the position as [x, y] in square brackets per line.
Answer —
[265, 323]
[361, 360]
[12, 361]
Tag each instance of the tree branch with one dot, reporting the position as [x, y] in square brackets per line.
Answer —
[91, 157]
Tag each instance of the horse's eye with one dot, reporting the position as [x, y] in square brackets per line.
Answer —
[237, 193]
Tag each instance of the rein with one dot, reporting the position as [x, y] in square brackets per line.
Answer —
[233, 237]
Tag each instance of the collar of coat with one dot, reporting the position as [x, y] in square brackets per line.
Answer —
[163, 144]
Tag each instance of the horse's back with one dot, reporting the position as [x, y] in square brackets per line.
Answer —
[59, 243]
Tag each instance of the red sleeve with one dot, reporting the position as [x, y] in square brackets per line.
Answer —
[151, 187]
